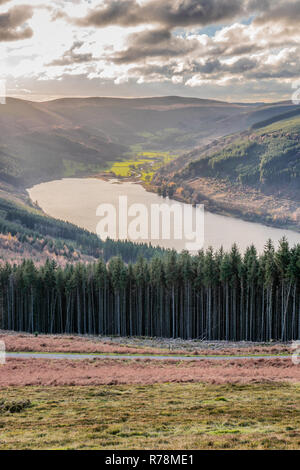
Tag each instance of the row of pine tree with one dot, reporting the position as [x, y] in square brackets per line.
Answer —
[215, 295]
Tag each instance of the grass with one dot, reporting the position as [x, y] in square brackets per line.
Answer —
[73, 169]
[169, 416]
[144, 165]
[285, 125]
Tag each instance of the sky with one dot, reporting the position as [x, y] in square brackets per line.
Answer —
[232, 50]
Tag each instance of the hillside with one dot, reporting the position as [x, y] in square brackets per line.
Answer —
[263, 157]
[26, 232]
[38, 144]
[75, 137]
[254, 174]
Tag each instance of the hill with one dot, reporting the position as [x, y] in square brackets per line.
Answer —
[75, 137]
[38, 144]
[263, 157]
[26, 232]
[254, 174]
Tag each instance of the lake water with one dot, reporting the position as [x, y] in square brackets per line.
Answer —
[76, 200]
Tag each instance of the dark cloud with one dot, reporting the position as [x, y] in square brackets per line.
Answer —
[153, 43]
[122, 12]
[286, 68]
[212, 69]
[209, 67]
[171, 13]
[242, 65]
[184, 13]
[215, 66]
[193, 12]
[13, 23]
[71, 57]
[287, 12]
[150, 37]
[248, 69]
[167, 70]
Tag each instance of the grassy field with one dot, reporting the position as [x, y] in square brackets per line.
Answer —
[169, 416]
[144, 165]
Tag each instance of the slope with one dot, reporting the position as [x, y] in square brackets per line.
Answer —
[254, 174]
[75, 137]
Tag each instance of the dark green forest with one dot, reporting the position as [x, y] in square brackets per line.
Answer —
[267, 155]
[215, 295]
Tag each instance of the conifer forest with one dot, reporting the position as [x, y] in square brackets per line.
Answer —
[214, 295]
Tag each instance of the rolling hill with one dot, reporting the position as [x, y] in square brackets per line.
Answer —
[74, 137]
[254, 174]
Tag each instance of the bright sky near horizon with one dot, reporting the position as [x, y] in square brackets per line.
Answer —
[235, 50]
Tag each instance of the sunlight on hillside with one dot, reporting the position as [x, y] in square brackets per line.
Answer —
[143, 166]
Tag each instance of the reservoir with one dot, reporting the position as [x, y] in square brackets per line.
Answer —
[76, 200]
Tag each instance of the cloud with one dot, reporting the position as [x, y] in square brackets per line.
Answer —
[184, 13]
[120, 12]
[170, 13]
[158, 43]
[13, 23]
[211, 69]
[287, 12]
[153, 43]
[71, 57]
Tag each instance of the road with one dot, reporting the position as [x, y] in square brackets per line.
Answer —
[71, 356]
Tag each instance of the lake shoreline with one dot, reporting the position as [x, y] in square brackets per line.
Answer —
[76, 200]
[212, 207]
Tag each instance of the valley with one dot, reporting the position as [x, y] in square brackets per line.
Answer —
[79, 137]
[151, 140]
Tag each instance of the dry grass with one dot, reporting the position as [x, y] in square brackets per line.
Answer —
[16, 342]
[170, 416]
[281, 206]
[69, 344]
[25, 372]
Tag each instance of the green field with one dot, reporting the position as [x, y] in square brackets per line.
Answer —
[143, 166]
[169, 416]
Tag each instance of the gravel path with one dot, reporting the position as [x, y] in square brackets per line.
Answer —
[32, 355]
